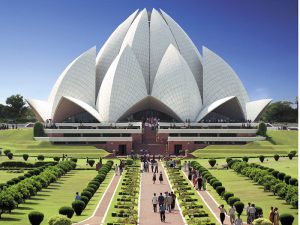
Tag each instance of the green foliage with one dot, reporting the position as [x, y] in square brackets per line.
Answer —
[220, 190]
[38, 130]
[91, 162]
[78, 206]
[25, 157]
[228, 160]
[16, 106]
[59, 220]
[212, 162]
[7, 202]
[276, 157]
[245, 158]
[287, 179]
[290, 155]
[261, 158]
[40, 157]
[35, 217]
[293, 152]
[67, 211]
[281, 176]
[74, 160]
[239, 206]
[6, 151]
[262, 221]
[56, 158]
[216, 184]
[262, 129]
[227, 195]
[280, 111]
[286, 219]
[293, 181]
[232, 200]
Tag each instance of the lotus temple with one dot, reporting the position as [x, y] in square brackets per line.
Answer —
[149, 88]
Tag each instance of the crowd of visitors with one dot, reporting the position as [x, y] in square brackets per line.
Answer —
[5, 126]
[119, 168]
[165, 202]
[197, 179]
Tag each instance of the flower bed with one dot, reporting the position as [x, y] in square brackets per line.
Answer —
[193, 212]
[125, 208]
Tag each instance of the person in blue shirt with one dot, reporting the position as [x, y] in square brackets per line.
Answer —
[77, 197]
[162, 212]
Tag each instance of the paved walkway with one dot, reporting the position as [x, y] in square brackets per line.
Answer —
[147, 216]
[212, 204]
[102, 206]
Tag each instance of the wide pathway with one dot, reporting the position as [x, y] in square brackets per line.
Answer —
[147, 216]
[212, 205]
[102, 206]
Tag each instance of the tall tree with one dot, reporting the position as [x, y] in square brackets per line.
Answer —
[16, 106]
[281, 111]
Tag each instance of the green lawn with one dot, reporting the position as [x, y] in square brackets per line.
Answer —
[50, 199]
[5, 176]
[280, 142]
[248, 191]
[21, 141]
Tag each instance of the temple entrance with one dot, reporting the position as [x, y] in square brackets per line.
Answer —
[177, 149]
[122, 150]
[149, 113]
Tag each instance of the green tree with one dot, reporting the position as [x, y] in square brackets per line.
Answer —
[16, 106]
[281, 111]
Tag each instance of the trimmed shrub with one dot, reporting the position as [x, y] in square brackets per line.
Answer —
[287, 179]
[293, 152]
[67, 211]
[286, 219]
[290, 155]
[227, 195]
[293, 181]
[220, 190]
[216, 184]
[74, 160]
[276, 157]
[245, 158]
[25, 157]
[85, 199]
[262, 129]
[228, 160]
[232, 200]
[239, 206]
[40, 157]
[212, 162]
[262, 221]
[88, 194]
[280, 176]
[275, 173]
[59, 220]
[90, 189]
[91, 162]
[6, 151]
[35, 217]
[78, 206]
[38, 130]
[56, 158]
[261, 158]
[10, 155]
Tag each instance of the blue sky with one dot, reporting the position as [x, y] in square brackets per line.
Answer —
[258, 38]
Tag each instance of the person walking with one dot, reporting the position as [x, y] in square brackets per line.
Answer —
[200, 182]
[77, 197]
[154, 178]
[232, 214]
[162, 212]
[116, 169]
[238, 221]
[276, 216]
[142, 167]
[155, 167]
[271, 215]
[152, 162]
[204, 183]
[161, 179]
[154, 202]
[169, 202]
[248, 214]
[173, 200]
[252, 212]
[161, 199]
[222, 213]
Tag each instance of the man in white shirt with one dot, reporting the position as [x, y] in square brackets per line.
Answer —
[154, 202]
